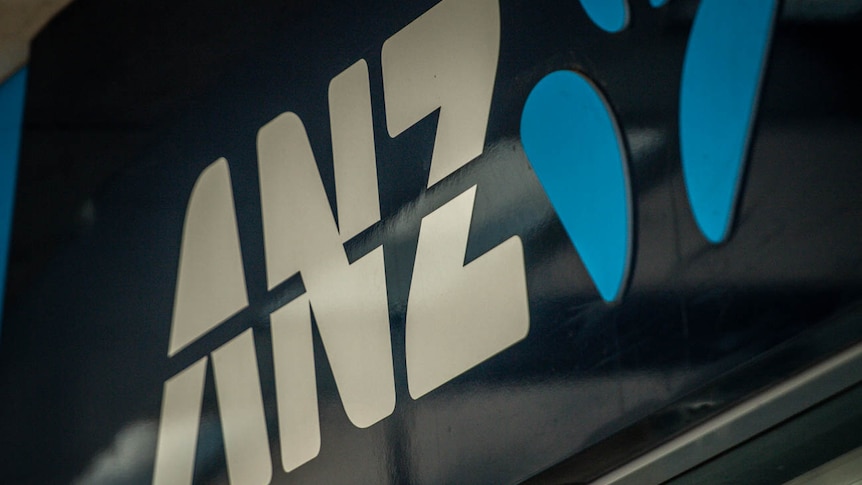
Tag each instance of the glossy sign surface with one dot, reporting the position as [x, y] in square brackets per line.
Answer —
[479, 349]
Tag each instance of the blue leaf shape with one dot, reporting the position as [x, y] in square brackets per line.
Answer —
[574, 145]
[657, 3]
[722, 73]
[609, 15]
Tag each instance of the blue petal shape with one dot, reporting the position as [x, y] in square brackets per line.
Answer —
[722, 73]
[11, 110]
[609, 15]
[574, 145]
[657, 3]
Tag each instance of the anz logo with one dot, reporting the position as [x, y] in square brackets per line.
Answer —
[457, 315]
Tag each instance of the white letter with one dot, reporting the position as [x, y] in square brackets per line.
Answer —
[210, 278]
[178, 428]
[353, 155]
[349, 300]
[459, 316]
[446, 59]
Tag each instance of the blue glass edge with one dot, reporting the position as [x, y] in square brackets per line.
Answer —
[12, 93]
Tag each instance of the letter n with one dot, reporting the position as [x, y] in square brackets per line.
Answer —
[349, 301]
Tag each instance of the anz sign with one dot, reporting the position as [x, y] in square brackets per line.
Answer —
[457, 315]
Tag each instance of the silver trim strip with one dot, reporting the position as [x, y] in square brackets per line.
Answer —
[742, 422]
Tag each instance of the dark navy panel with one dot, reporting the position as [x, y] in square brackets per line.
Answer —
[129, 101]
